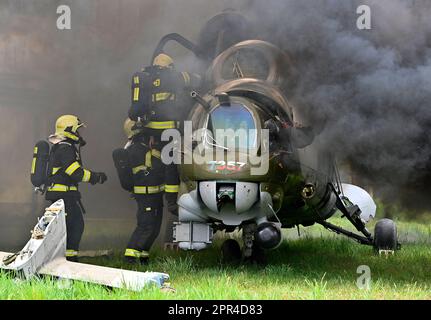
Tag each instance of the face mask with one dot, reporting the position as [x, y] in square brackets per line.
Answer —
[82, 142]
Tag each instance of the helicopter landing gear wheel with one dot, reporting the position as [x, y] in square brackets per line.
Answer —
[385, 236]
[231, 251]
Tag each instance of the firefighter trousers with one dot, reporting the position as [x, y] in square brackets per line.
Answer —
[149, 220]
[171, 179]
[74, 227]
[172, 182]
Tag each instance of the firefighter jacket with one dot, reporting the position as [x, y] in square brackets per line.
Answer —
[65, 172]
[147, 169]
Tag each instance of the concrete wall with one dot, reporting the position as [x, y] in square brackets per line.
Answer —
[86, 71]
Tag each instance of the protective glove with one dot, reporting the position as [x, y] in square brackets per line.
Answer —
[98, 177]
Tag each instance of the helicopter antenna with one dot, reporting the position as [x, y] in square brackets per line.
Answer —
[275, 215]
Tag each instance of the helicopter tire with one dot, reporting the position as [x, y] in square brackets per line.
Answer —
[231, 251]
[385, 235]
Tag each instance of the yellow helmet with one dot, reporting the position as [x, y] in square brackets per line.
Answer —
[128, 128]
[163, 60]
[67, 126]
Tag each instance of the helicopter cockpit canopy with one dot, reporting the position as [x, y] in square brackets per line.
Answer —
[233, 126]
[265, 95]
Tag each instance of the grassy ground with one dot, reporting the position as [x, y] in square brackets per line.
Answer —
[317, 265]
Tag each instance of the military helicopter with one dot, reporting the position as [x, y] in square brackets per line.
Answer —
[244, 88]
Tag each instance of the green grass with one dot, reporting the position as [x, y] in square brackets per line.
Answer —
[318, 265]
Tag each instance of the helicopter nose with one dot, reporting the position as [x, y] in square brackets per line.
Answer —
[268, 235]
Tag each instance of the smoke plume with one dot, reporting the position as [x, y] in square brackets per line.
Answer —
[372, 88]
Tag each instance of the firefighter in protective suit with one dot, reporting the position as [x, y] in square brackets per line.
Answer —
[65, 172]
[147, 188]
[160, 95]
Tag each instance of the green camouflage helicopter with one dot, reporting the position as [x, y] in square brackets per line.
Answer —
[264, 172]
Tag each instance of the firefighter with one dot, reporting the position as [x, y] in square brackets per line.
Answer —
[160, 95]
[147, 189]
[65, 172]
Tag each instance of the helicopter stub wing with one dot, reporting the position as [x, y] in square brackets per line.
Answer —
[362, 199]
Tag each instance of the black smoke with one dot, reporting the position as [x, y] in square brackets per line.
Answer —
[371, 88]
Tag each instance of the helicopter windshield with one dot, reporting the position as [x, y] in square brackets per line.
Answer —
[237, 125]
